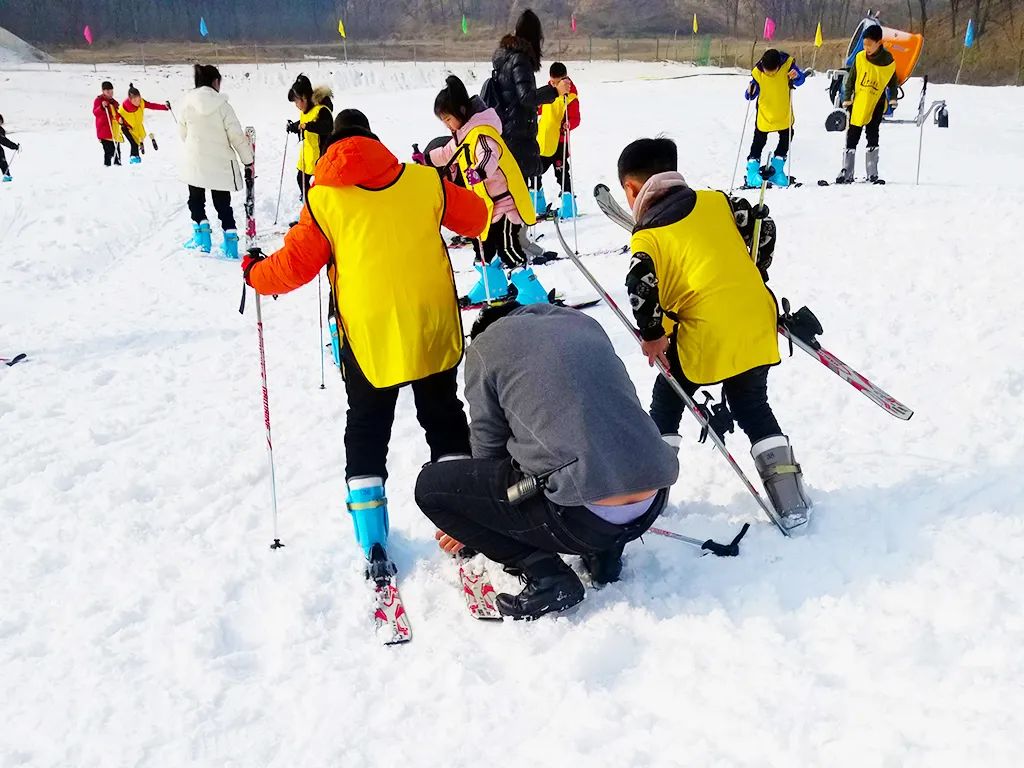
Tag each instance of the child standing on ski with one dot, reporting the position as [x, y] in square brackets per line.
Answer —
[871, 88]
[556, 119]
[313, 127]
[772, 81]
[485, 164]
[131, 113]
[703, 309]
[5, 169]
[108, 124]
[376, 224]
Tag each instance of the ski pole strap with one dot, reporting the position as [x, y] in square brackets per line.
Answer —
[732, 549]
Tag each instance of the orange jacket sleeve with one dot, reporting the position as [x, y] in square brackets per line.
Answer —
[465, 212]
[305, 252]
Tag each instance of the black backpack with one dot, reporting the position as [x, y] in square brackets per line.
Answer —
[489, 92]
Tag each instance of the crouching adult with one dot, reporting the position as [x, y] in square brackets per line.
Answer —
[550, 400]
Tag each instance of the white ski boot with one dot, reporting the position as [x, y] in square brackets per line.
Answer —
[846, 175]
[783, 480]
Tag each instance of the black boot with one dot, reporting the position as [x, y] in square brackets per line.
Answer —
[604, 567]
[551, 585]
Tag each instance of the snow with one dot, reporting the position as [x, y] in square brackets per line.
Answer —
[145, 622]
[14, 50]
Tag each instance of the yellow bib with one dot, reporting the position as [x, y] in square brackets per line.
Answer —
[869, 88]
[774, 108]
[465, 155]
[723, 315]
[309, 151]
[549, 126]
[134, 121]
[393, 284]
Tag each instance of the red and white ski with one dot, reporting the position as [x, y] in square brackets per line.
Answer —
[392, 623]
[478, 591]
[250, 192]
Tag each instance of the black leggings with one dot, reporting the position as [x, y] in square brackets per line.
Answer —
[761, 138]
[4, 167]
[871, 129]
[562, 175]
[221, 202]
[502, 240]
[134, 144]
[111, 152]
[303, 181]
[467, 499]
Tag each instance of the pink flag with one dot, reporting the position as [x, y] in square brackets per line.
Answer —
[769, 28]
[87, 33]
[573, 22]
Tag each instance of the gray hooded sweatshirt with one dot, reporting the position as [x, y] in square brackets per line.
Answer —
[545, 386]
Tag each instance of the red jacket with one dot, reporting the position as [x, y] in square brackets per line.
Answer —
[103, 121]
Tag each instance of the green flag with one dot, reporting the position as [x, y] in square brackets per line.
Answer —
[465, 25]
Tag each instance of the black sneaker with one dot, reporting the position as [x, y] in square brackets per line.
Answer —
[604, 567]
[551, 586]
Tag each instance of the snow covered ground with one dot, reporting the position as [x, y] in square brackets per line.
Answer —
[145, 622]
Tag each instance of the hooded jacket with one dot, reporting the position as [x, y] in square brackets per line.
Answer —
[133, 117]
[215, 146]
[888, 92]
[552, 118]
[515, 84]
[317, 123]
[108, 121]
[489, 151]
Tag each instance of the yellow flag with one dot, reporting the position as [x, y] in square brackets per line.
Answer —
[341, 27]
[695, 23]
[817, 37]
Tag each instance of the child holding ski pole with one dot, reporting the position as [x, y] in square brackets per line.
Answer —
[131, 113]
[772, 80]
[703, 309]
[108, 124]
[313, 127]
[5, 169]
[479, 157]
[375, 223]
[556, 119]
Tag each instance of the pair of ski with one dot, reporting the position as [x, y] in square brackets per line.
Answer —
[826, 183]
[800, 328]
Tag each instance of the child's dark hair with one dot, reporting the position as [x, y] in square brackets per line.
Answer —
[874, 32]
[771, 60]
[643, 158]
[301, 87]
[106, 85]
[206, 75]
[558, 70]
[453, 100]
[528, 28]
[132, 90]
[348, 124]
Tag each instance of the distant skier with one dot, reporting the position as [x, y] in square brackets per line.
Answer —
[215, 147]
[870, 90]
[773, 78]
[553, 129]
[108, 124]
[313, 127]
[547, 392]
[131, 113]
[375, 224]
[483, 162]
[5, 169]
[703, 308]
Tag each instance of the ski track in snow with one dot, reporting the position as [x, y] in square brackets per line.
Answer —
[145, 622]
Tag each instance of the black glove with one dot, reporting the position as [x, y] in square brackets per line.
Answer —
[250, 260]
[17, 147]
[167, 104]
[249, 171]
[293, 127]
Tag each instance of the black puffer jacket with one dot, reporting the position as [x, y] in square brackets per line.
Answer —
[515, 84]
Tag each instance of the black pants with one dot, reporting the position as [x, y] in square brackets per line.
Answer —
[4, 167]
[562, 175]
[746, 393]
[221, 202]
[134, 144]
[303, 181]
[871, 129]
[502, 240]
[468, 500]
[111, 152]
[371, 414]
[761, 138]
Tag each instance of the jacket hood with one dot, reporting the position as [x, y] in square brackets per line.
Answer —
[322, 94]
[357, 161]
[663, 200]
[205, 100]
[129, 107]
[482, 115]
[510, 45]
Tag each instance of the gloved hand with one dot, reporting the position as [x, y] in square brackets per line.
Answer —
[564, 86]
[419, 158]
[473, 177]
[253, 257]
[293, 127]
[17, 147]
[167, 104]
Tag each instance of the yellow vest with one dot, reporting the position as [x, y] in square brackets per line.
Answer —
[393, 284]
[549, 126]
[309, 150]
[134, 121]
[869, 88]
[465, 155]
[713, 296]
[774, 108]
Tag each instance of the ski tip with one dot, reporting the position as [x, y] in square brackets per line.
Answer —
[600, 189]
[822, 183]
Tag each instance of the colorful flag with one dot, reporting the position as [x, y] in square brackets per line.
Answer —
[969, 37]
[818, 40]
[572, 22]
[695, 23]
[87, 34]
[465, 25]
[769, 28]
[202, 27]
[341, 28]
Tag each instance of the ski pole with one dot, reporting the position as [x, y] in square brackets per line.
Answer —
[732, 549]
[320, 308]
[172, 113]
[739, 149]
[755, 245]
[565, 175]
[280, 184]
[688, 401]
[14, 156]
[266, 419]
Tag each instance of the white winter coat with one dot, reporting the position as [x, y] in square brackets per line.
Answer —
[214, 142]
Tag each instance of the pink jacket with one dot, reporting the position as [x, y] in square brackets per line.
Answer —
[488, 151]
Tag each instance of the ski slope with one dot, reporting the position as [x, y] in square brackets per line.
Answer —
[145, 622]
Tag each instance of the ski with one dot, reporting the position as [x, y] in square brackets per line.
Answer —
[9, 361]
[250, 192]
[477, 590]
[389, 614]
[152, 138]
[558, 302]
[826, 183]
[791, 327]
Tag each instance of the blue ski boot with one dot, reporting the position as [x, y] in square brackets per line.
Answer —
[779, 176]
[230, 244]
[8, 177]
[496, 287]
[134, 161]
[568, 206]
[754, 173]
[200, 237]
[368, 507]
[528, 287]
[332, 325]
[540, 204]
